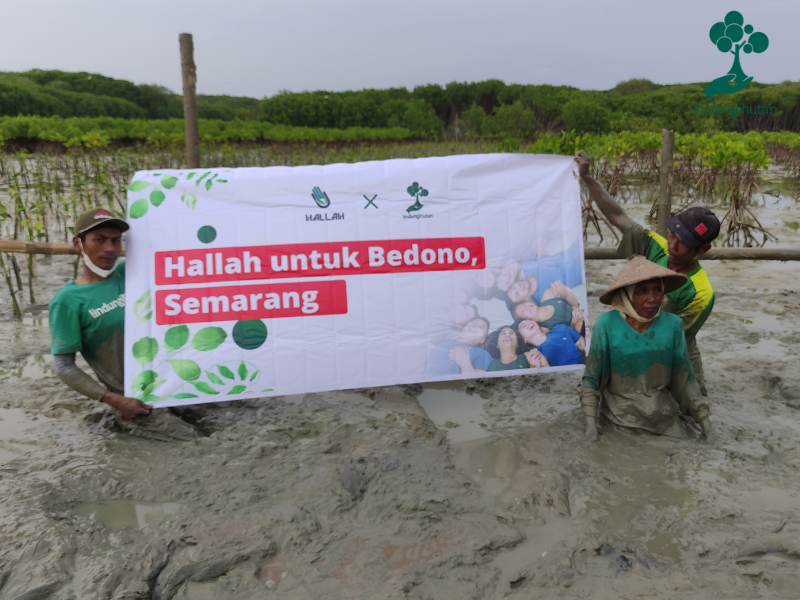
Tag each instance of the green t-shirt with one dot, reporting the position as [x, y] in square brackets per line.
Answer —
[521, 362]
[90, 319]
[694, 300]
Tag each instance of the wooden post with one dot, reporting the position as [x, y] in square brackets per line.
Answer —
[190, 101]
[665, 183]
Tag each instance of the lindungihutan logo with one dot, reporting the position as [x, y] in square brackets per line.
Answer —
[734, 37]
[416, 191]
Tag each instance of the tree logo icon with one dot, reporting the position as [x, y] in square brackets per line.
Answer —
[732, 35]
[416, 191]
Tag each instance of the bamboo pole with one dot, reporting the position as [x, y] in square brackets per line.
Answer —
[665, 183]
[22, 247]
[192, 125]
[713, 254]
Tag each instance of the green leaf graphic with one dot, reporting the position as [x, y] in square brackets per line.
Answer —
[176, 337]
[214, 379]
[222, 181]
[145, 350]
[145, 317]
[150, 398]
[190, 175]
[138, 306]
[242, 371]
[142, 381]
[208, 338]
[253, 376]
[150, 388]
[225, 371]
[169, 182]
[139, 208]
[202, 386]
[157, 197]
[188, 370]
[184, 396]
[203, 176]
[138, 186]
[237, 389]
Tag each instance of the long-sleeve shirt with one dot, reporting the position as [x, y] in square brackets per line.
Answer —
[642, 379]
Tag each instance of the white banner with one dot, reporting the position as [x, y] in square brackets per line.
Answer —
[254, 282]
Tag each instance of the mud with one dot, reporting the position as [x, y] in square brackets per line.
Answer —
[478, 489]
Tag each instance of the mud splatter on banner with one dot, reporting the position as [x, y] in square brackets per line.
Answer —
[257, 282]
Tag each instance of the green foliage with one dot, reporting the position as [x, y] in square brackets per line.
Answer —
[421, 120]
[473, 119]
[632, 86]
[586, 116]
[514, 120]
[84, 109]
[102, 131]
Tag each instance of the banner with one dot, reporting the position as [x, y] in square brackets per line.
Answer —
[254, 282]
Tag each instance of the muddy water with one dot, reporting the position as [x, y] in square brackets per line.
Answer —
[478, 489]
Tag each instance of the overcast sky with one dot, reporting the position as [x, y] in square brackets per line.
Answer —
[259, 47]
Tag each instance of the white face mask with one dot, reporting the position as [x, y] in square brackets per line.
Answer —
[104, 273]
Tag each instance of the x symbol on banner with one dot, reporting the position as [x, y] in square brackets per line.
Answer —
[370, 201]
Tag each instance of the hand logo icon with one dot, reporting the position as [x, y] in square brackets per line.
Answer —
[320, 197]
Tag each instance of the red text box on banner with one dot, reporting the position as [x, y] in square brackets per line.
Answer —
[320, 259]
[248, 302]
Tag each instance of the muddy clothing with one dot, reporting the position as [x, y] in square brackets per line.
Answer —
[642, 380]
[562, 313]
[90, 319]
[692, 302]
[521, 362]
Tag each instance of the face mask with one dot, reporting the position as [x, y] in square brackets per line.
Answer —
[104, 273]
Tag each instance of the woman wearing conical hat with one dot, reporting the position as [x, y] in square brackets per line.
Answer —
[638, 373]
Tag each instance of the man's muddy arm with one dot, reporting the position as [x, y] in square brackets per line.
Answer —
[76, 378]
[83, 383]
[610, 209]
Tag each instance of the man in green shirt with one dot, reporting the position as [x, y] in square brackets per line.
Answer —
[88, 315]
[689, 237]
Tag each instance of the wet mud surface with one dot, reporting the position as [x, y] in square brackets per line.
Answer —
[477, 489]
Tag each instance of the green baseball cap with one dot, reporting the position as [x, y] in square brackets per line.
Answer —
[98, 217]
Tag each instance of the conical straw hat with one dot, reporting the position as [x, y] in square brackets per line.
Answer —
[637, 269]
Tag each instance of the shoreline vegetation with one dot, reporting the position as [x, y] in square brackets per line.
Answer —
[53, 111]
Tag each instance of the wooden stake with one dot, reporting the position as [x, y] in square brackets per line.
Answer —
[7, 276]
[190, 101]
[665, 184]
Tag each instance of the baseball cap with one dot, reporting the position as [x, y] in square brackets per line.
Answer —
[695, 226]
[98, 217]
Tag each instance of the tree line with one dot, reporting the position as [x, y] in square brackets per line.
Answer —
[489, 108]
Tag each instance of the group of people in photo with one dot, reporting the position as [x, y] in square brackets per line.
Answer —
[533, 318]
